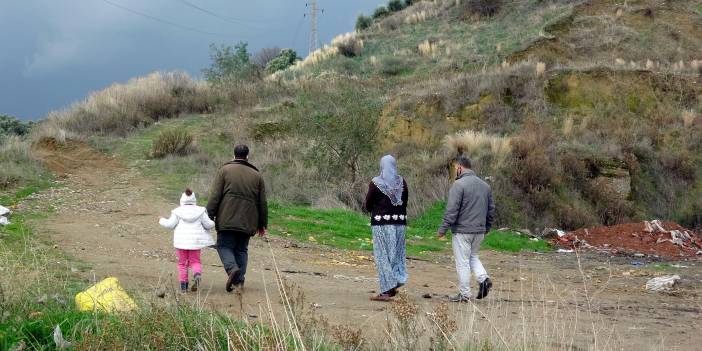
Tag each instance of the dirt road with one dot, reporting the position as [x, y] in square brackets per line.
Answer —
[106, 216]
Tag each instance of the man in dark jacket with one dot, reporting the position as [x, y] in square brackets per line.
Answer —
[238, 206]
[470, 213]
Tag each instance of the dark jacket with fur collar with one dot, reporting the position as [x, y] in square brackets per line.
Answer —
[238, 199]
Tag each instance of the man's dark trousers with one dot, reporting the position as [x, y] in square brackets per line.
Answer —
[233, 250]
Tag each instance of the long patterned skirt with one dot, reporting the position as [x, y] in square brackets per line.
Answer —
[389, 252]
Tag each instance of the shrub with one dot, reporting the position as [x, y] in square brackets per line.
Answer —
[380, 12]
[485, 8]
[392, 65]
[265, 55]
[12, 126]
[341, 137]
[230, 64]
[363, 22]
[177, 142]
[348, 44]
[17, 167]
[287, 58]
[396, 5]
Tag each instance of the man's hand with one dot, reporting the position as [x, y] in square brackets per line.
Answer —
[262, 232]
[442, 236]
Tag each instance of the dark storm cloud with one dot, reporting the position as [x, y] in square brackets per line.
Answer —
[53, 52]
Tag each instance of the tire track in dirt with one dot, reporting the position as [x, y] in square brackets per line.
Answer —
[106, 215]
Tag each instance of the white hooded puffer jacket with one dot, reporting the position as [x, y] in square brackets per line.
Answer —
[191, 225]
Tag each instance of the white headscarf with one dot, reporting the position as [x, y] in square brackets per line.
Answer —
[389, 182]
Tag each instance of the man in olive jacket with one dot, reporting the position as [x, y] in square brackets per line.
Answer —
[238, 206]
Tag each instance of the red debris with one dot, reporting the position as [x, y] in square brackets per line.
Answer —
[665, 239]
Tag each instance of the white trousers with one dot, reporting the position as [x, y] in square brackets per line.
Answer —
[465, 250]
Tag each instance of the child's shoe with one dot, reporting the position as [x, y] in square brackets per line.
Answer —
[183, 287]
[196, 282]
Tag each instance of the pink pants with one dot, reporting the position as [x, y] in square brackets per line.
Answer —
[188, 258]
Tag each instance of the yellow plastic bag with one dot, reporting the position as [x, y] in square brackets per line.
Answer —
[107, 296]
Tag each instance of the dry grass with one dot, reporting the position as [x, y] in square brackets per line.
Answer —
[175, 142]
[122, 108]
[689, 117]
[478, 145]
[17, 167]
[428, 48]
[348, 44]
[540, 68]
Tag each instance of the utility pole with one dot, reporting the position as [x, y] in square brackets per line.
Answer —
[314, 35]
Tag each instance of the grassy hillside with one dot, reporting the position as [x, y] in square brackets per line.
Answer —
[577, 112]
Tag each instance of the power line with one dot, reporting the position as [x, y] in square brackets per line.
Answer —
[227, 18]
[163, 20]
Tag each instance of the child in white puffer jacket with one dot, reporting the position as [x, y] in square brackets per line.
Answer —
[191, 234]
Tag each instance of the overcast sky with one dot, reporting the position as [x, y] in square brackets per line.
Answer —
[53, 52]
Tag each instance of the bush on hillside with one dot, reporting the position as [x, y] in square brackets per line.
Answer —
[342, 124]
[485, 8]
[231, 64]
[12, 126]
[380, 12]
[348, 44]
[392, 65]
[265, 55]
[363, 22]
[176, 142]
[122, 108]
[17, 167]
[287, 58]
[396, 5]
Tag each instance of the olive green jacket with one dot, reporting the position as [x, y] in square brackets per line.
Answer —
[238, 199]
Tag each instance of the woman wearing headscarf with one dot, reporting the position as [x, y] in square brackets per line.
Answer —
[387, 203]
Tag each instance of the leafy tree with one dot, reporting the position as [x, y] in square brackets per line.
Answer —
[363, 22]
[12, 126]
[287, 58]
[396, 5]
[230, 64]
[381, 11]
[343, 125]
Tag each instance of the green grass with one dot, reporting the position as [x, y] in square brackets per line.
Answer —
[173, 173]
[351, 230]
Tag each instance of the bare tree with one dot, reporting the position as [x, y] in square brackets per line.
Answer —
[262, 57]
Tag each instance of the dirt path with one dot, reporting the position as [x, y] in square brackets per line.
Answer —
[106, 215]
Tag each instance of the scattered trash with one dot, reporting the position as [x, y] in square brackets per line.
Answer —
[4, 221]
[552, 233]
[107, 296]
[60, 342]
[4, 211]
[427, 296]
[565, 251]
[662, 283]
[649, 238]
[637, 263]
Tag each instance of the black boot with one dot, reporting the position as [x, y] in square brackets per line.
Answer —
[484, 289]
[183, 287]
[231, 281]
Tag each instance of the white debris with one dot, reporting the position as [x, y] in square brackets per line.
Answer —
[566, 251]
[4, 221]
[552, 233]
[663, 283]
[4, 211]
[61, 343]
